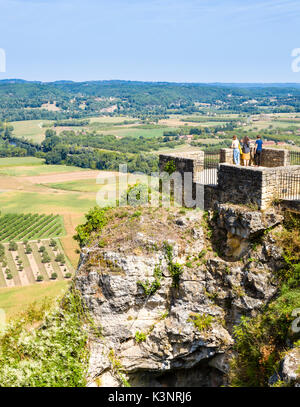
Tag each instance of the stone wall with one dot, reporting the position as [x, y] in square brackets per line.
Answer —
[211, 197]
[240, 185]
[270, 157]
[226, 156]
[255, 186]
[183, 188]
[185, 162]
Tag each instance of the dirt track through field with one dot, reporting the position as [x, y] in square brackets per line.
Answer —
[33, 265]
[22, 274]
[70, 176]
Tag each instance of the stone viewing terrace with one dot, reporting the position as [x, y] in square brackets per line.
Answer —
[218, 180]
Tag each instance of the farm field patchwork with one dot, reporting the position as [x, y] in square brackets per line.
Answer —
[70, 176]
[19, 227]
[33, 262]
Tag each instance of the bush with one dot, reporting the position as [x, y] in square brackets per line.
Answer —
[46, 259]
[140, 336]
[68, 275]
[28, 250]
[54, 355]
[53, 243]
[170, 167]
[136, 195]
[54, 276]
[96, 219]
[39, 278]
[175, 269]
[13, 246]
[201, 322]
[260, 342]
[60, 258]
[9, 276]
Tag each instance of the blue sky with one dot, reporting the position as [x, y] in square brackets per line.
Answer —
[155, 40]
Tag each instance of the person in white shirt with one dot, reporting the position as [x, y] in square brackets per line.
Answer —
[236, 151]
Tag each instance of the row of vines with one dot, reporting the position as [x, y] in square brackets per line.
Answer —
[29, 226]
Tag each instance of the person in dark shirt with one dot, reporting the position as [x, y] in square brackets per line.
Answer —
[246, 151]
[258, 151]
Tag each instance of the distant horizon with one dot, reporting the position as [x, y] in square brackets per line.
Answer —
[146, 81]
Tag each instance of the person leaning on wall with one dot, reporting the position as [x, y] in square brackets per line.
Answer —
[246, 151]
[235, 145]
[258, 151]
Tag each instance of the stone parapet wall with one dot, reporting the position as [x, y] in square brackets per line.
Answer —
[240, 185]
[254, 186]
[180, 187]
[226, 156]
[211, 196]
[184, 162]
[251, 186]
[270, 157]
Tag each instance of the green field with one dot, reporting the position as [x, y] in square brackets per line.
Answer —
[32, 170]
[15, 300]
[20, 161]
[30, 226]
[33, 130]
[137, 132]
[89, 185]
[30, 129]
[27, 202]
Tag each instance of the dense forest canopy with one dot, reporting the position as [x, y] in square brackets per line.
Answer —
[21, 100]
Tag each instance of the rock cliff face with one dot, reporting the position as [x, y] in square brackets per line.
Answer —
[165, 301]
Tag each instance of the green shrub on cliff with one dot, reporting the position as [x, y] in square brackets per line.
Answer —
[96, 219]
[52, 355]
[175, 269]
[260, 342]
[140, 336]
[201, 322]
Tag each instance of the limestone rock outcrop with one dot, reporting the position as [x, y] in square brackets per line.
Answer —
[291, 367]
[154, 331]
[242, 223]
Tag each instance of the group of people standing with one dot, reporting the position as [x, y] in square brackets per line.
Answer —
[243, 151]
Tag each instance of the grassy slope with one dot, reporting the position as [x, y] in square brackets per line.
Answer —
[15, 299]
[30, 129]
[24, 170]
[20, 161]
[27, 202]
